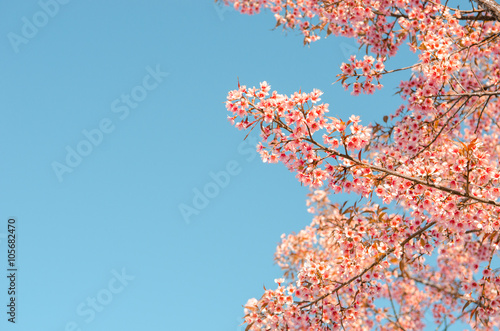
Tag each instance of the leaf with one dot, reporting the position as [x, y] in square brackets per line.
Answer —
[252, 308]
[386, 118]
[465, 306]
[341, 208]
[474, 311]
[249, 326]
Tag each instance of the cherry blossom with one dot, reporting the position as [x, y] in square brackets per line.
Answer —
[424, 237]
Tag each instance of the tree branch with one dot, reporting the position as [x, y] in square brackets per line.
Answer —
[412, 179]
[376, 262]
[492, 6]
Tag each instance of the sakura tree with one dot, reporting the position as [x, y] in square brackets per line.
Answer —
[435, 160]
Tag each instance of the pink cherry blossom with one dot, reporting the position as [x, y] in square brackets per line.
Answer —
[427, 174]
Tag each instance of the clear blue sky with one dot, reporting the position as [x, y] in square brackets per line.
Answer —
[101, 241]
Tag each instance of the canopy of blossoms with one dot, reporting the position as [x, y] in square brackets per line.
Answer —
[436, 158]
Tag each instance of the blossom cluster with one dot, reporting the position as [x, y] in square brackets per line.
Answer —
[435, 158]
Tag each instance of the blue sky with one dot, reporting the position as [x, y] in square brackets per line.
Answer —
[137, 89]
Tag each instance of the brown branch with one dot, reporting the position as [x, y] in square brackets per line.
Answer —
[456, 295]
[442, 128]
[466, 94]
[385, 170]
[412, 179]
[478, 17]
[397, 322]
[492, 6]
[377, 261]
